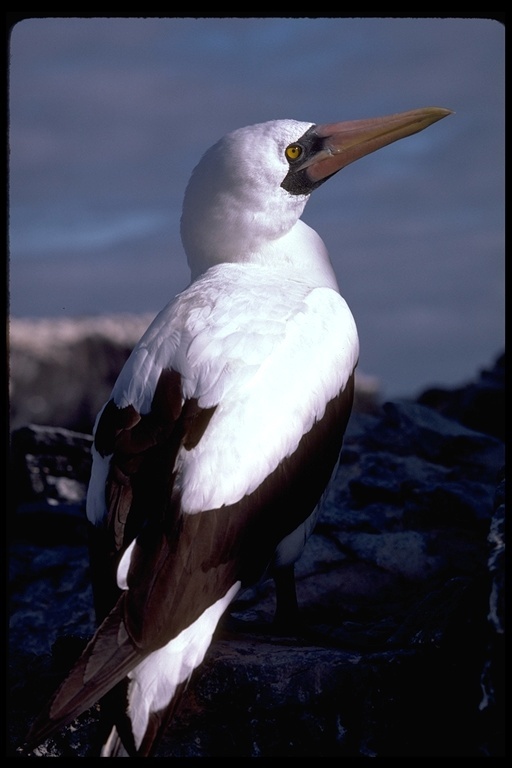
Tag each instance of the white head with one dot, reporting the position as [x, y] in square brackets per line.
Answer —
[249, 190]
[234, 202]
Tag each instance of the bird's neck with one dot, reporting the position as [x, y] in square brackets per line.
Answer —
[273, 236]
[299, 254]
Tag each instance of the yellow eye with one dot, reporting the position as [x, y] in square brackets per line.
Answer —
[293, 152]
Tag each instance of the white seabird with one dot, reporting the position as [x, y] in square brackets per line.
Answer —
[224, 427]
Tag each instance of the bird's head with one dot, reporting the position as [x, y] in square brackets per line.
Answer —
[251, 187]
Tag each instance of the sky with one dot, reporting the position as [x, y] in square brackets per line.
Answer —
[108, 117]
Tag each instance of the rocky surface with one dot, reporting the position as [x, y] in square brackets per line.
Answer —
[62, 370]
[479, 405]
[401, 587]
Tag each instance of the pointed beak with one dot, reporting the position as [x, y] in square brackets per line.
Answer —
[343, 143]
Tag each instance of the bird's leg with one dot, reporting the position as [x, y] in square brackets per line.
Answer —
[286, 617]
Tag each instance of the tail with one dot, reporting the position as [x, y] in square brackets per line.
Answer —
[105, 661]
[155, 686]
[139, 690]
[112, 669]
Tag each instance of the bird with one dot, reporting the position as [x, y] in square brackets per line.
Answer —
[213, 454]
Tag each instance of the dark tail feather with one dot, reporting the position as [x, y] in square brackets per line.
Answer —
[105, 661]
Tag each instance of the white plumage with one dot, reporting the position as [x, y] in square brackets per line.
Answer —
[269, 351]
[224, 427]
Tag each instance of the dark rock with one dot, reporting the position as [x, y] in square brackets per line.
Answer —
[51, 465]
[401, 588]
[62, 370]
[50, 468]
[479, 405]
[492, 703]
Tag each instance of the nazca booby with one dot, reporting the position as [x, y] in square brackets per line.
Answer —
[224, 426]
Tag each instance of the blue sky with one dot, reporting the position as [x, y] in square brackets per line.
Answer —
[108, 116]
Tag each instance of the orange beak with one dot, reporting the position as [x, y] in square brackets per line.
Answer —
[343, 143]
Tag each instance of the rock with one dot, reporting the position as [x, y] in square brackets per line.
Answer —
[52, 468]
[492, 703]
[62, 370]
[479, 405]
[401, 588]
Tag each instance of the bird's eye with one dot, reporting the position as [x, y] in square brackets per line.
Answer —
[293, 152]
